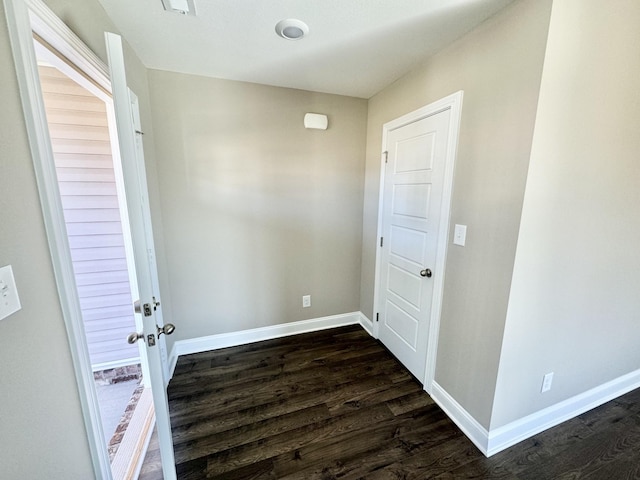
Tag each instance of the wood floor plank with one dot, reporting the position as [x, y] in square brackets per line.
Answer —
[289, 358]
[203, 446]
[363, 451]
[411, 401]
[424, 463]
[291, 385]
[293, 440]
[281, 369]
[591, 456]
[262, 470]
[544, 447]
[335, 404]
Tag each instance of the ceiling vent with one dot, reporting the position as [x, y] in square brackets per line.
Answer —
[183, 7]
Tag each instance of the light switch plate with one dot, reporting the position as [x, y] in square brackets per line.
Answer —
[9, 301]
[460, 235]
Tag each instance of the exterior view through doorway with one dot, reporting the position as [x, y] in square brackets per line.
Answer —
[85, 151]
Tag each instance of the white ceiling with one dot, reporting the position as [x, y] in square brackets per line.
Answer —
[354, 47]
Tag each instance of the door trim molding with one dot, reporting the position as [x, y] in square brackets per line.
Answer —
[20, 14]
[453, 103]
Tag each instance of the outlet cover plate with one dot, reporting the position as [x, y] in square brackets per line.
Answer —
[9, 301]
[547, 380]
[306, 301]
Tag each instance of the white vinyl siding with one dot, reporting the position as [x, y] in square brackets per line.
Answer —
[81, 145]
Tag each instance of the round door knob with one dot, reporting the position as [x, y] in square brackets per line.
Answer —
[426, 272]
[167, 329]
[134, 337]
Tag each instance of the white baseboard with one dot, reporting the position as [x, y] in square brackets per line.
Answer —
[458, 415]
[498, 439]
[232, 339]
[504, 437]
[366, 323]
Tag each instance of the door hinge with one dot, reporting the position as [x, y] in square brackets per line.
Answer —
[381, 241]
[386, 156]
[377, 317]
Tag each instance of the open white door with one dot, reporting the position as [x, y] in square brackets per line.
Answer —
[135, 183]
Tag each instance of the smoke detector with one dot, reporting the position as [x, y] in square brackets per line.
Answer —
[292, 29]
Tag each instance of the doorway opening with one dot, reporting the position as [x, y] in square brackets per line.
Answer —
[82, 131]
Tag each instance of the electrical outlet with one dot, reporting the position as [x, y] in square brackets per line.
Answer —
[546, 382]
[306, 301]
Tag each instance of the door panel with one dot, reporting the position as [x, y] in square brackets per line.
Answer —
[411, 200]
[405, 285]
[408, 244]
[142, 240]
[413, 189]
[415, 153]
[402, 324]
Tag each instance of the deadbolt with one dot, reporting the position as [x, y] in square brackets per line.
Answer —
[146, 308]
[426, 273]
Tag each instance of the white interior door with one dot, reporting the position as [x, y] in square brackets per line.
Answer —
[142, 239]
[148, 230]
[412, 197]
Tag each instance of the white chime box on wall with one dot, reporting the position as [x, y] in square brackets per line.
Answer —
[316, 121]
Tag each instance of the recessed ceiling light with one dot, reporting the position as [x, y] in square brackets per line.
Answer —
[292, 29]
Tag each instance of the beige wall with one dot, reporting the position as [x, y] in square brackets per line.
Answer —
[36, 377]
[575, 303]
[43, 434]
[499, 67]
[257, 211]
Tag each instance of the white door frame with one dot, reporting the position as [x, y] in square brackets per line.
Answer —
[20, 33]
[23, 18]
[453, 103]
[44, 53]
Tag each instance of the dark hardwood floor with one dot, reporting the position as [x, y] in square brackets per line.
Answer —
[336, 405]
